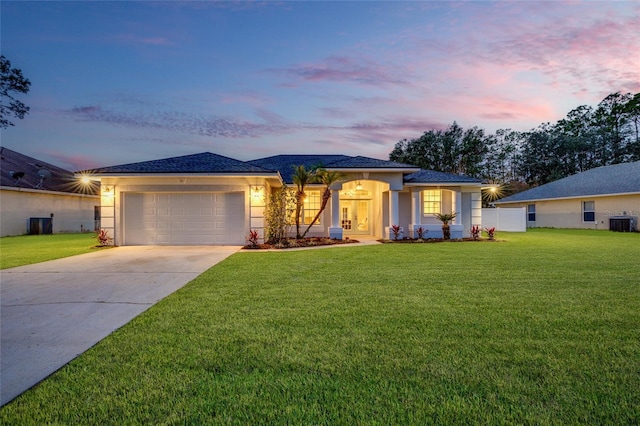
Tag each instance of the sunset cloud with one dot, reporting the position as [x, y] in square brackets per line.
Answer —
[249, 79]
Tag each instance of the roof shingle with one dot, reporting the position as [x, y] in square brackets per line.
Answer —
[607, 180]
[205, 162]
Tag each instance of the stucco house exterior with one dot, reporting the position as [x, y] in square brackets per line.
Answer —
[39, 198]
[591, 199]
[210, 199]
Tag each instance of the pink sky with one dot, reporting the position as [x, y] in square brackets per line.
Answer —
[119, 82]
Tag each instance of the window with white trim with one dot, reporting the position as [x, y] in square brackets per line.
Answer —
[588, 211]
[531, 212]
[431, 201]
[311, 206]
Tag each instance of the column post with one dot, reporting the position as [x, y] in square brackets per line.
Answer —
[335, 230]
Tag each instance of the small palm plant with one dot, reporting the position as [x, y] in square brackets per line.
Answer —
[445, 218]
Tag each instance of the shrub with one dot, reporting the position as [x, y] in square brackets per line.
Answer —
[103, 237]
[253, 238]
[395, 230]
[475, 232]
[421, 232]
[491, 232]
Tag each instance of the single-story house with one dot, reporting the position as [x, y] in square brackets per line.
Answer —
[211, 199]
[594, 199]
[39, 198]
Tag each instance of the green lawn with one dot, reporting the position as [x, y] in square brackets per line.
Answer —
[543, 328]
[28, 249]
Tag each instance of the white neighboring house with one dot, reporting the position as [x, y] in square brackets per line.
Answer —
[601, 198]
[210, 199]
[40, 198]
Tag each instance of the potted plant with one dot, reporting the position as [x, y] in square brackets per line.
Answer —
[445, 218]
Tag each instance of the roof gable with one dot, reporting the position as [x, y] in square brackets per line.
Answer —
[205, 162]
[607, 180]
[285, 163]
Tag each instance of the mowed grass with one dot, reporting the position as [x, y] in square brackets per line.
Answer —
[28, 249]
[541, 328]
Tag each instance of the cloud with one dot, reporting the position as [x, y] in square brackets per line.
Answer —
[143, 40]
[343, 69]
[212, 126]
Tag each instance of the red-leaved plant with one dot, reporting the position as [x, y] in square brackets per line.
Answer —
[253, 238]
[421, 232]
[491, 232]
[103, 237]
[395, 230]
[475, 232]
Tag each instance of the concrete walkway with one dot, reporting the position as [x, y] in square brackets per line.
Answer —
[51, 312]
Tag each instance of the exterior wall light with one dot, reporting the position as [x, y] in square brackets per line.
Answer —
[257, 193]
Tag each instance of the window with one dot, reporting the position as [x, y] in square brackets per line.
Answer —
[588, 211]
[311, 207]
[432, 201]
[531, 212]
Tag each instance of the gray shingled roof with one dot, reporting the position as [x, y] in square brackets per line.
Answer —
[607, 180]
[431, 176]
[360, 162]
[27, 168]
[205, 162]
[285, 163]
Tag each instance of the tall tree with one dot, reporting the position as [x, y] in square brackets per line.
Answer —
[11, 82]
[454, 150]
[609, 118]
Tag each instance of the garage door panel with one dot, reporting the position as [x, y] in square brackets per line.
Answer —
[183, 219]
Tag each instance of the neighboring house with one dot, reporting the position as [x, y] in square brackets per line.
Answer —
[586, 200]
[40, 198]
[210, 199]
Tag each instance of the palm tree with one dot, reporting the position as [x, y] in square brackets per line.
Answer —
[301, 177]
[327, 179]
[445, 218]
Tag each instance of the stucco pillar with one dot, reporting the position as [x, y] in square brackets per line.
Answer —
[335, 230]
[457, 207]
[393, 212]
[416, 217]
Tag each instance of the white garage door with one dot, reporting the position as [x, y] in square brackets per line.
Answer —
[183, 219]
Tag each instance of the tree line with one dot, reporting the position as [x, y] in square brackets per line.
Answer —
[588, 137]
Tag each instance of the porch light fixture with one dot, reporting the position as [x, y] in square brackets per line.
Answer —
[358, 186]
[257, 193]
[107, 191]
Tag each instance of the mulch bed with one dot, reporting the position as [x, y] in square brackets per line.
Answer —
[304, 242]
[437, 240]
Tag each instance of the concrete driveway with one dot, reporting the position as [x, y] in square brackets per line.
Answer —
[52, 312]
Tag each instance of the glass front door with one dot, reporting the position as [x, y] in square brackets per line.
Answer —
[354, 215]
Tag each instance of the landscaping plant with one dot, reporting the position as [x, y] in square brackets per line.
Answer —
[475, 232]
[445, 218]
[395, 230]
[254, 236]
[491, 232]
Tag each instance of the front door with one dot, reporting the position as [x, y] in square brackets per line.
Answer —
[354, 215]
